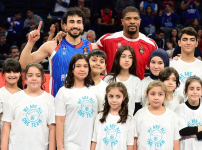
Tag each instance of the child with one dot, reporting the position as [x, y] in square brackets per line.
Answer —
[113, 129]
[187, 65]
[29, 118]
[76, 107]
[11, 70]
[171, 48]
[190, 115]
[124, 70]
[97, 60]
[170, 77]
[156, 127]
[158, 60]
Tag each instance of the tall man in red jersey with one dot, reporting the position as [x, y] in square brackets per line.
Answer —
[142, 45]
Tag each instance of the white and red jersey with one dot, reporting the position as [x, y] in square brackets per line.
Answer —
[143, 47]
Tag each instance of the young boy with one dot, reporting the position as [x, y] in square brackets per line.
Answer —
[97, 60]
[187, 65]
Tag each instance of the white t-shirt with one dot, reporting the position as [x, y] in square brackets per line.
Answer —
[189, 118]
[101, 91]
[156, 132]
[29, 117]
[142, 5]
[79, 106]
[177, 99]
[141, 92]
[59, 7]
[186, 70]
[132, 84]
[111, 135]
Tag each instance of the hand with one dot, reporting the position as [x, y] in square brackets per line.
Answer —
[175, 58]
[160, 13]
[149, 25]
[172, 11]
[198, 57]
[34, 35]
[59, 36]
[52, 29]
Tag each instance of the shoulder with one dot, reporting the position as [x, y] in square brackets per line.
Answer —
[141, 112]
[85, 41]
[180, 108]
[49, 46]
[112, 36]
[135, 78]
[2, 89]
[107, 78]
[147, 40]
[147, 80]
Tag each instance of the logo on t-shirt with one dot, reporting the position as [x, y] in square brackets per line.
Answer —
[141, 49]
[111, 135]
[32, 115]
[119, 44]
[156, 136]
[185, 75]
[86, 107]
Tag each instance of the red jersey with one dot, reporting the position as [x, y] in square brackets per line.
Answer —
[143, 47]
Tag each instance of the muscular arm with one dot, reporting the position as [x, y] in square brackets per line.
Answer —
[184, 6]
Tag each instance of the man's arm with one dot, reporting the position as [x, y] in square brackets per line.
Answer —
[196, 3]
[184, 6]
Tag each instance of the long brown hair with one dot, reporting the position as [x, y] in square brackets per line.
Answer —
[151, 13]
[123, 112]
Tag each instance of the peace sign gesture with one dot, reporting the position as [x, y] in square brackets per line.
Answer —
[35, 35]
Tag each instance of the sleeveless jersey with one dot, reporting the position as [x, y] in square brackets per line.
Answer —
[60, 59]
[106, 18]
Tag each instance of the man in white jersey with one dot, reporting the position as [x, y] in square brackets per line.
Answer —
[187, 65]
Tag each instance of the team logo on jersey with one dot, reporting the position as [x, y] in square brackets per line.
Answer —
[86, 107]
[141, 49]
[111, 135]
[64, 47]
[32, 115]
[185, 75]
[156, 136]
[119, 44]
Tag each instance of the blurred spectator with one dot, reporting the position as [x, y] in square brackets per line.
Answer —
[55, 27]
[32, 20]
[9, 37]
[144, 4]
[91, 36]
[168, 19]
[15, 24]
[14, 52]
[174, 36]
[105, 21]
[158, 38]
[194, 24]
[45, 37]
[168, 1]
[61, 7]
[86, 11]
[170, 48]
[63, 25]
[199, 38]
[190, 8]
[4, 47]
[148, 20]
[120, 5]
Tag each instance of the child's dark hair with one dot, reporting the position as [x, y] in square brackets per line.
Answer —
[71, 12]
[165, 74]
[116, 68]
[189, 31]
[40, 67]
[14, 66]
[190, 80]
[97, 53]
[69, 81]
[123, 112]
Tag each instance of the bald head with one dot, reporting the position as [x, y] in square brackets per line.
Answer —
[91, 36]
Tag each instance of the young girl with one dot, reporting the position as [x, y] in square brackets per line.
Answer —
[124, 70]
[158, 60]
[199, 38]
[174, 36]
[29, 118]
[11, 70]
[170, 77]
[114, 128]
[171, 47]
[190, 115]
[76, 107]
[156, 127]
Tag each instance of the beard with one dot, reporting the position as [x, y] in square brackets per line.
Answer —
[131, 32]
[75, 35]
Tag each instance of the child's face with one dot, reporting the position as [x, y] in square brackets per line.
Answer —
[81, 69]
[12, 77]
[33, 78]
[156, 97]
[97, 64]
[115, 99]
[194, 91]
[126, 60]
[156, 65]
[170, 83]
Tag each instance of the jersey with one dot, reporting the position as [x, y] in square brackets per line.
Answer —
[143, 47]
[60, 59]
[192, 12]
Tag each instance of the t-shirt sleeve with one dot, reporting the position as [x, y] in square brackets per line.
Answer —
[8, 114]
[130, 134]
[156, 7]
[60, 106]
[51, 118]
[101, 42]
[176, 135]
[141, 4]
[181, 117]
[1, 105]
[135, 119]
[138, 86]
[95, 130]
